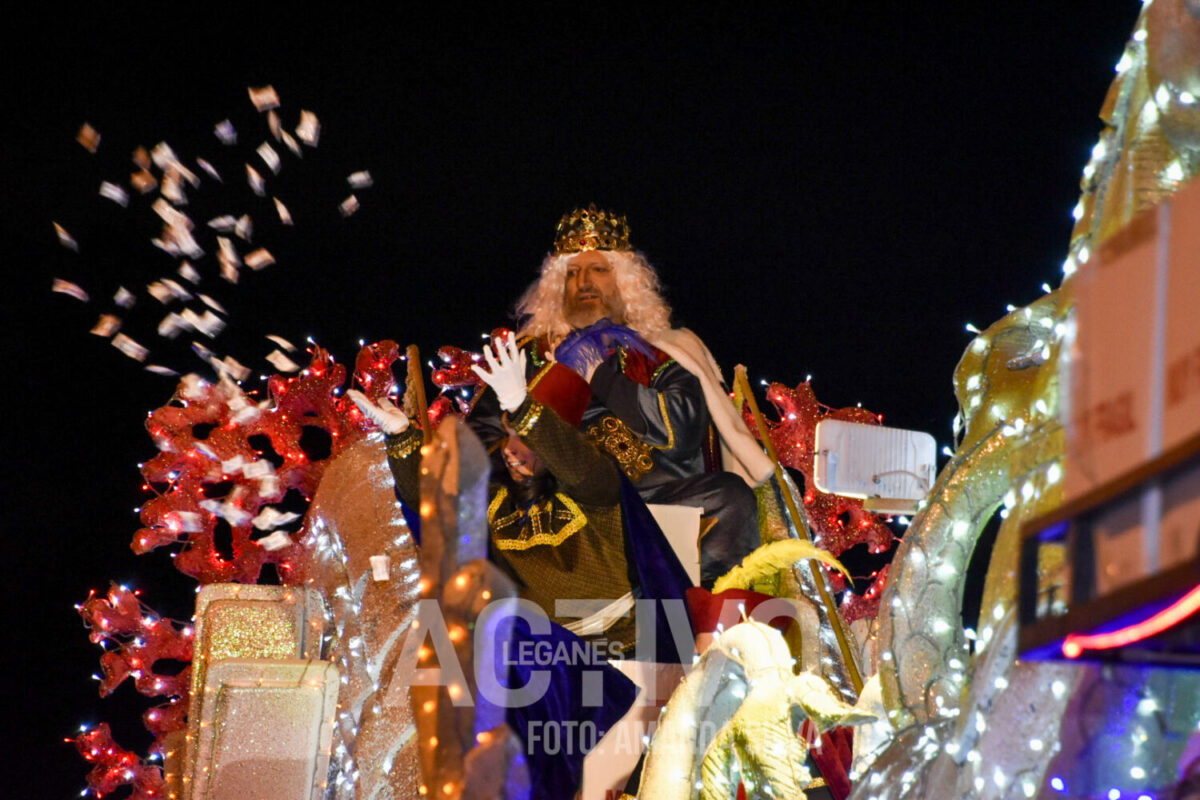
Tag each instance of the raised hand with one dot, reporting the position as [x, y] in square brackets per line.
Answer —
[507, 375]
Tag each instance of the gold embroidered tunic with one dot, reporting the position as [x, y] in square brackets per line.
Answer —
[570, 546]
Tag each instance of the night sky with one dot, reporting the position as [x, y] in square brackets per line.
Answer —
[835, 191]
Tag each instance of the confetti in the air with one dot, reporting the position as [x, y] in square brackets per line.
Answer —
[88, 137]
[291, 143]
[232, 367]
[259, 258]
[257, 184]
[244, 229]
[170, 215]
[282, 342]
[202, 351]
[66, 287]
[114, 193]
[263, 97]
[160, 292]
[189, 521]
[269, 157]
[246, 411]
[186, 174]
[227, 252]
[224, 224]
[106, 326]
[232, 466]
[309, 129]
[165, 159]
[193, 387]
[207, 323]
[177, 290]
[275, 541]
[163, 156]
[188, 272]
[270, 518]
[177, 238]
[124, 298]
[262, 468]
[210, 169]
[171, 325]
[213, 304]
[172, 189]
[167, 246]
[281, 362]
[185, 242]
[129, 347]
[225, 132]
[143, 181]
[65, 238]
[232, 514]
[181, 241]
[190, 394]
[273, 124]
[285, 216]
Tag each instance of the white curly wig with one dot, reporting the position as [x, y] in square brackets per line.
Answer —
[542, 308]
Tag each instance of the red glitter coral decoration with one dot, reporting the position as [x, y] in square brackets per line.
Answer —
[114, 766]
[214, 473]
[838, 523]
[456, 372]
[140, 639]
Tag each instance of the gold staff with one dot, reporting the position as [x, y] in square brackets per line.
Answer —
[416, 385]
[742, 386]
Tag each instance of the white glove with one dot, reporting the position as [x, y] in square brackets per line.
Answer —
[507, 377]
[390, 419]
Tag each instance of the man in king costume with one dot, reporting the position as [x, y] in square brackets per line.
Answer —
[563, 528]
[659, 404]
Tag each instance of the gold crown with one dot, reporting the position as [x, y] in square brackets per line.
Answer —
[591, 229]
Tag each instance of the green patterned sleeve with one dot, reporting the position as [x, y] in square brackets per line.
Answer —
[583, 472]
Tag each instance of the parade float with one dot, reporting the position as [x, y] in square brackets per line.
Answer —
[331, 656]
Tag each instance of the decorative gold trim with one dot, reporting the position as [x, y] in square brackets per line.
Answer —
[524, 424]
[654, 375]
[404, 446]
[577, 520]
[494, 506]
[613, 436]
[662, 407]
[537, 378]
[505, 521]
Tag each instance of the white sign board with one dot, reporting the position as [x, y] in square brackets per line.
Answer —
[891, 467]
